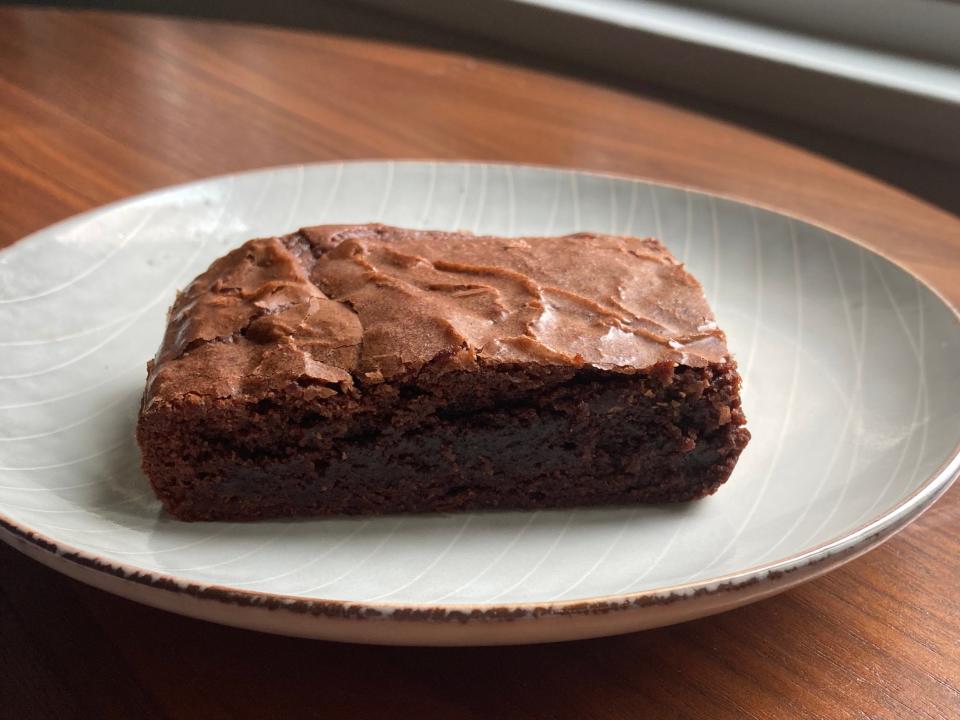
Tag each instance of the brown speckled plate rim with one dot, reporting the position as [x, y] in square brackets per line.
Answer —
[839, 549]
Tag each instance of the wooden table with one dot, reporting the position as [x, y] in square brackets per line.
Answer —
[95, 107]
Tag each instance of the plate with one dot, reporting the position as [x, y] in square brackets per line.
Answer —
[852, 393]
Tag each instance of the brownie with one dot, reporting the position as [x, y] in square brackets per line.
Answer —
[369, 369]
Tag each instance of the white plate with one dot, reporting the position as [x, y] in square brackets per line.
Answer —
[852, 393]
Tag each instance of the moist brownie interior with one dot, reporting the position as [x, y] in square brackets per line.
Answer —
[369, 369]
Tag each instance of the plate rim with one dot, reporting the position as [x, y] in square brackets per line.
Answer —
[842, 547]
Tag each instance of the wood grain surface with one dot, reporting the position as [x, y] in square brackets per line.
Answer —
[96, 106]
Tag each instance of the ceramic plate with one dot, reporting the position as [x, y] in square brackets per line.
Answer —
[852, 393]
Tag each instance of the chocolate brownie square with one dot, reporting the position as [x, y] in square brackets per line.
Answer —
[370, 369]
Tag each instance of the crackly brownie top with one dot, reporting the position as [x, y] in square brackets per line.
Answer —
[336, 307]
